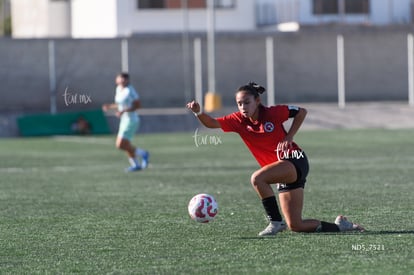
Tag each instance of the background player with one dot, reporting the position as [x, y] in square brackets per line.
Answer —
[282, 161]
[126, 103]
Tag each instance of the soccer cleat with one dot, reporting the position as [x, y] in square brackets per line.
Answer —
[145, 160]
[133, 169]
[345, 225]
[273, 228]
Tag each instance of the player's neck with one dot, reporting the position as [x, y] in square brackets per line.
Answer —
[255, 116]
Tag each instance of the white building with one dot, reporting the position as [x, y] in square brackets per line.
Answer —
[40, 18]
[371, 12]
[114, 18]
[126, 17]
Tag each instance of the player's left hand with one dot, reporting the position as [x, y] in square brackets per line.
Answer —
[285, 144]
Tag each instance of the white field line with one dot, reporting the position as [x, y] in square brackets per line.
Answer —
[60, 168]
[88, 140]
[115, 167]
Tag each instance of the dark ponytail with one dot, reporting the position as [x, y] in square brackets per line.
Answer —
[253, 89]
[124, 75]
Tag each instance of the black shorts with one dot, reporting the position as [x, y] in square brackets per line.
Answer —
[302, 169]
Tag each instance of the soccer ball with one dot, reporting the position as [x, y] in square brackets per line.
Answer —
[202, 208]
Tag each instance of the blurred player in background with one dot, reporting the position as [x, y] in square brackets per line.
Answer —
[282, 161]
[127, 102]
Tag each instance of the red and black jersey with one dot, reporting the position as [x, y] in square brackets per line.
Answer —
[261, 136]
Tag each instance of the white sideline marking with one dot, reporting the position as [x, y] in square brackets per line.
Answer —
[89, 140]
[60, 168]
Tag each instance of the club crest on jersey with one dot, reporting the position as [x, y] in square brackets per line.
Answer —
[269, 127]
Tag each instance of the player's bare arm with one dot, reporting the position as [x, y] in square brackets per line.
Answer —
[109, 106]
[205, 119]
[294, 128]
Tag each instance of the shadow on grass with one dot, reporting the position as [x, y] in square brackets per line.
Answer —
[289, 234]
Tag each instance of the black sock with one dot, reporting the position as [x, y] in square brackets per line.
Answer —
[327, 227]
[271, 208]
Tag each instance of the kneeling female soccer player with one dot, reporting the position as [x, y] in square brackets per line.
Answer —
[282, 161]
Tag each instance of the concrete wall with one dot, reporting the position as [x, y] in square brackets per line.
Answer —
[305, 68]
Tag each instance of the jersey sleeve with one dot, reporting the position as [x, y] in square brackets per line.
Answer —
[229, 123]
[293, 110]
[281, 112]
[133, 93]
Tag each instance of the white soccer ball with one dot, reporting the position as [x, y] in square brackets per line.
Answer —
[202, 208]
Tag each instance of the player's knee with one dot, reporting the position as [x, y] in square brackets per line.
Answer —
[118, 145]
[255, 179]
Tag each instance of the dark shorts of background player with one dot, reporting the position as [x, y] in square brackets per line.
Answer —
[302, 170]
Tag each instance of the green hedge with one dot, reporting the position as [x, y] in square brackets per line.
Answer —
[62, 124]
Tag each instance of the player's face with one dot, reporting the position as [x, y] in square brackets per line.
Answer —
[119, 80]
[247, 104]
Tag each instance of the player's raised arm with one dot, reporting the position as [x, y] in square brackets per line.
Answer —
[205, 119]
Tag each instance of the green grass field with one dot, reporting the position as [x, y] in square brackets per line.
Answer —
[68, 207]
